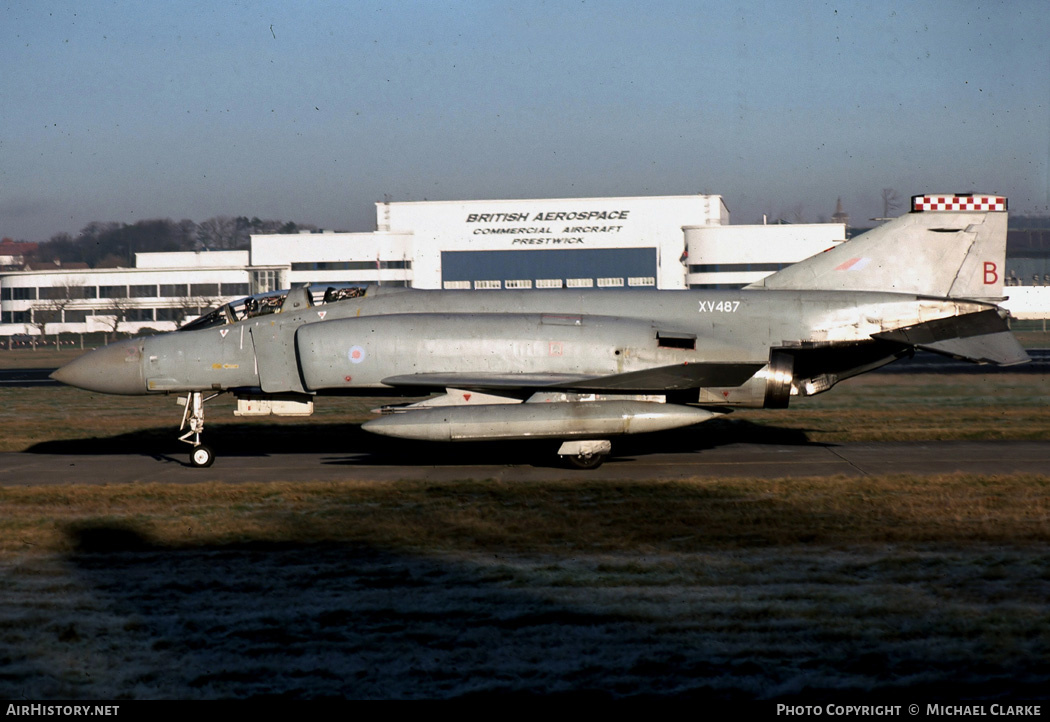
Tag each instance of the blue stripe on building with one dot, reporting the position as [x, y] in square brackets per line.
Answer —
[564, 264]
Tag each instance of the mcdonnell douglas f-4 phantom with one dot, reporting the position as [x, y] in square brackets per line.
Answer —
[580, 367]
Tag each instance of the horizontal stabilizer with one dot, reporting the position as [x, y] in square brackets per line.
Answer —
[997, 348]
[983, 337]
[662, 378]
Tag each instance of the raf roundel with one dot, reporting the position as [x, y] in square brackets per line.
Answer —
[356, 354]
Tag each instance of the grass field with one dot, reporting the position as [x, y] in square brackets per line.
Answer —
[849, 590]
[917, 589]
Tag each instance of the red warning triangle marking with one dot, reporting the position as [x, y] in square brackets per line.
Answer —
[466, 397]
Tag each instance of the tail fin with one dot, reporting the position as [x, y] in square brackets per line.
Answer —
[950, 246]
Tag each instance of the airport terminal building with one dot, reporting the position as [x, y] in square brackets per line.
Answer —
[669, 242]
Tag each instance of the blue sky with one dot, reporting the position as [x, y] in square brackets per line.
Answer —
[313, 111]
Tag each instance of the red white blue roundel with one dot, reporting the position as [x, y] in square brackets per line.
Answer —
[356, 354]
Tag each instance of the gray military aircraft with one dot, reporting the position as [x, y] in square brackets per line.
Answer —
[583, 366]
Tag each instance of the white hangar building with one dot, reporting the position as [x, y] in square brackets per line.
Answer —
[670, 242]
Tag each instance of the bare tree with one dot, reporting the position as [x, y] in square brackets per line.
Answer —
[194, 306]
[113, 314]
[38, 319]
[218, 233]
[53, 303]
[187, 233]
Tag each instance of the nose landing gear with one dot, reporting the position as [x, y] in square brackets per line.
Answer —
[201, 456]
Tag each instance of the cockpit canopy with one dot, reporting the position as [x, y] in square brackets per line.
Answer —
[262, 304]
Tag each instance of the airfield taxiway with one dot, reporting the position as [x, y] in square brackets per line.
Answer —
[768, 461]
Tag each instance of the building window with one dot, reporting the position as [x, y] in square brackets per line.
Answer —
[487, 285]
[62, 293]
[351, 265]
[518, 283]
[76, 316]
[5, 294]
[53, 293]
[264, 281]
[112, 291]
[456, 285]
[23, 294]
[173, 290]
[579, 282]
[168, 314]
[548, 283]
[204, 289]
[234, 289]
[610, 282]
[138, 314]
[144, 291]
[641, 281]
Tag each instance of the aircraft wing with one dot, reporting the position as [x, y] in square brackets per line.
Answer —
[983, 337]
[660, 379]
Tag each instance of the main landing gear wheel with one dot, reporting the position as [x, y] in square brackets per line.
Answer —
[585, 454]
[201, 457]
[584, 461]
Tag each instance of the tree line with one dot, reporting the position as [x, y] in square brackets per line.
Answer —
[112, 245]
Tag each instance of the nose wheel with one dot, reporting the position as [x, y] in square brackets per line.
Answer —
[201, 456]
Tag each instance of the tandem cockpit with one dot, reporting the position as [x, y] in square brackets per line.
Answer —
[263, 304]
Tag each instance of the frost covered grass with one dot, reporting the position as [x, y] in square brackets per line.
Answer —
[804, 588]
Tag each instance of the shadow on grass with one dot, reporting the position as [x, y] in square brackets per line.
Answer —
[339, 620]
[349, 620]
[356, 446]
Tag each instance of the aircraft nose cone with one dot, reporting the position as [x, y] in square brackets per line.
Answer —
[114, 369]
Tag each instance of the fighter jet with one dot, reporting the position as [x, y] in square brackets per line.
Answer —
[581, 367]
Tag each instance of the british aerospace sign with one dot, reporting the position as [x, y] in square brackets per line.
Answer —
[546, 235]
